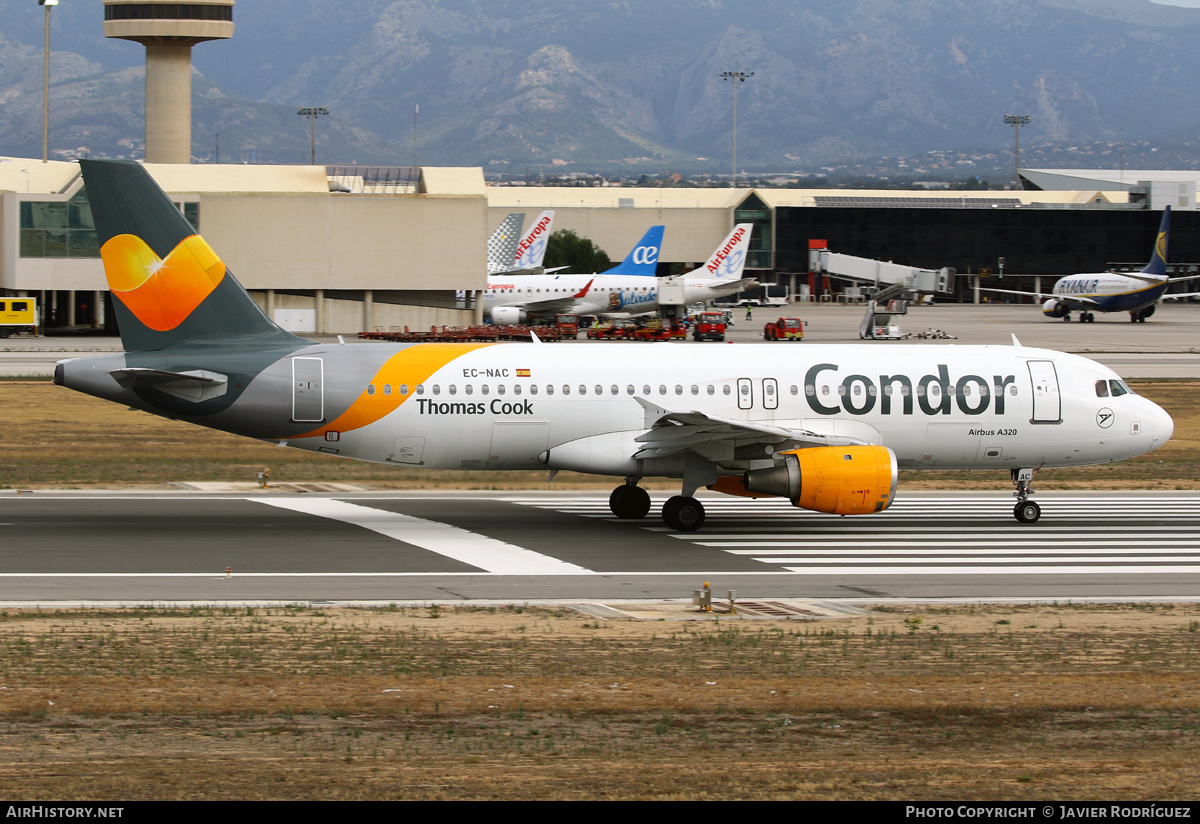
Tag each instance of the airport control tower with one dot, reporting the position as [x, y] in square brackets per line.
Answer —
[168, 30]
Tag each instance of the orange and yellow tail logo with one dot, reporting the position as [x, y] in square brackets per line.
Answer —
[161, 293]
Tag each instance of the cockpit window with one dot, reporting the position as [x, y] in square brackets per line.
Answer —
[1101, 389]
[1119, 388]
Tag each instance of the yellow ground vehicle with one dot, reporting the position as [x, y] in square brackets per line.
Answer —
[18, 315]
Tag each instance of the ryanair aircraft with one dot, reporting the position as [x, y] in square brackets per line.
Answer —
[1136, 294]
[825, 426]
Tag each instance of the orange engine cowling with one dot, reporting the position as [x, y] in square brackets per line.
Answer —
[840, 480]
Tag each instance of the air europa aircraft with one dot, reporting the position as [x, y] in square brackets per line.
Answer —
[826, 426]
[621, 292]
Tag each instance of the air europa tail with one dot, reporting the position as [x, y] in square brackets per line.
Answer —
[729, 258]
[1158, 258]
[169, 287]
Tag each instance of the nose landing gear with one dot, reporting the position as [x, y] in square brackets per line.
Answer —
[1026, 511]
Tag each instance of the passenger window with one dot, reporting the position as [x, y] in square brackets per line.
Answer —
[404, 389]
[420, 389]
[387, 389]
[370, 389]
[725, 389]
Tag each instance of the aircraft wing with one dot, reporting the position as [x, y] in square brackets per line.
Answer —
[716, 438]
[1073, 299]
[555, 305]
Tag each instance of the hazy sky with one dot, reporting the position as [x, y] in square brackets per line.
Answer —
[1191, 4]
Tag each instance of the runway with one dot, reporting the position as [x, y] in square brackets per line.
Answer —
[553, 547]
[63, 547]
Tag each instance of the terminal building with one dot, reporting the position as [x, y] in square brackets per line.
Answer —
[331, 249]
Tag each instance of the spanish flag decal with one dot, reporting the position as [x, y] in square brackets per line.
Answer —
[161, 293]
[522, 373]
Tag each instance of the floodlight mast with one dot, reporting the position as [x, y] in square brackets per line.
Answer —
[46, 82]
[1017, 121]
[737, 78]
[312, 113]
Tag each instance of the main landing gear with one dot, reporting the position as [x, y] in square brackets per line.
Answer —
[681, 512]
[1026, 511]
[629, 501]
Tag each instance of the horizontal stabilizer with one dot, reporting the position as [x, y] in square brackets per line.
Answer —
[198, 385]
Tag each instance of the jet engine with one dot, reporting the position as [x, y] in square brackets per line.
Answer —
[840, 480]
[1053, 309]
[509, 316]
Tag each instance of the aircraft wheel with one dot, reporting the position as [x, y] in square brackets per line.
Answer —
[629, 502]
[683, 513]
[1067, 318]
[1027, 512]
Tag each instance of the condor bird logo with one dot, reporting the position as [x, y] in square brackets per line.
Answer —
[160, 292]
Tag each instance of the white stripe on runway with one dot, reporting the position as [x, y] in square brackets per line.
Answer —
[448, 541]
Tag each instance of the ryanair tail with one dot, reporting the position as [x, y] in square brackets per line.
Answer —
[169, 287]
[643, 260]
[1157, 266]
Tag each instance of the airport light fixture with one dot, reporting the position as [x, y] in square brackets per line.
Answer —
[1017, 121]
[46, 82]
[312, 113]
[737, 78]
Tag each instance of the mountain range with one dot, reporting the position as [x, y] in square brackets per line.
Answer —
[627, 84]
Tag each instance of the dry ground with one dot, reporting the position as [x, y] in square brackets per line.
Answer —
[49, 430]
[968, 703]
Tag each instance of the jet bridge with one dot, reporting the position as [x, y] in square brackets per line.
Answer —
[894, 286]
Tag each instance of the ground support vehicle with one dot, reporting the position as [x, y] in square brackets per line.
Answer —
[709, 326]
[18, 316]
[784, 329]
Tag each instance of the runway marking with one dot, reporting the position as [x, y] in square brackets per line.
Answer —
[1101, 535]
[448, 541]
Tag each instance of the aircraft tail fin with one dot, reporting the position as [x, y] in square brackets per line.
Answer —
[729, 259]
[532, 248]
[643, 260]
[1158, 258]
[169, 287]
[502, 245]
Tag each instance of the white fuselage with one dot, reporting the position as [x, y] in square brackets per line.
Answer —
[518, 406]
[618, 295]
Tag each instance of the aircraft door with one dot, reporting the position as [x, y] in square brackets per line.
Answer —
[308, 390]
[770, 389]
[1047, 403]
[745, 393]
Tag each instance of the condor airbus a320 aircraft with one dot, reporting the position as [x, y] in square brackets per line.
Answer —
[825, 426]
